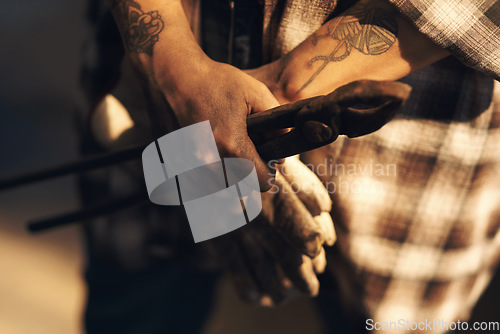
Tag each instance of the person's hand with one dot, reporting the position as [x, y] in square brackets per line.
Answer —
[269, 74]
[225, 96]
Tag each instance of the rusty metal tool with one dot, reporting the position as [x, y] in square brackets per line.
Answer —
[356, 109]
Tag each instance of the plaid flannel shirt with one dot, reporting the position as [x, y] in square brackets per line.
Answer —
[468, 29]
[416, 204]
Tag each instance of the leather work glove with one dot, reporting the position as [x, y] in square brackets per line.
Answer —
[282, 251]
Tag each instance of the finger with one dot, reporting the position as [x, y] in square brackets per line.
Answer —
[263, 268]
[292, 220]
[295, 266]
[265, 173]
[319, 262]
[259, 99]
[306, 185]
[325, 221]
[307, 275]
[245, 285]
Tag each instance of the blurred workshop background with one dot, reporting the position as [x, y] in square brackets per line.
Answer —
[41, 286]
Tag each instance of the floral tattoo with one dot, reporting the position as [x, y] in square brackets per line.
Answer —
[142, 29]
[370, 30]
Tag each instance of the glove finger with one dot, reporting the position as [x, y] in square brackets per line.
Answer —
[325, 221]
[228, 255]
[294, 222]
[263, 268]
[307, 274]
[245, 285]
[307, 186]
[319, 262]
[296, 267]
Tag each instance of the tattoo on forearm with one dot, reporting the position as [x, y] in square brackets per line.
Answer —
[142, 30]
[368, 29]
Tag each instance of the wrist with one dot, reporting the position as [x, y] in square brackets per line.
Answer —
[176, 73]
[183, 82]
[285, 78]
[278, 78]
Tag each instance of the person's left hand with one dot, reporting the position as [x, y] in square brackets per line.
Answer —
[269, 75]
[282, 251]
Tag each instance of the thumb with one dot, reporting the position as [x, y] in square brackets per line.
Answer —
[260, 99]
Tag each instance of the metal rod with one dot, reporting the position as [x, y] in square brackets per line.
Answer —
[102, 160]
[44, 224]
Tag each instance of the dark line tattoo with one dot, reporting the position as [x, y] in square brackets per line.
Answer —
[370, 30]
[142, 29]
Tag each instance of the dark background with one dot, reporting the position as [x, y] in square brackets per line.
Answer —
[40, 286]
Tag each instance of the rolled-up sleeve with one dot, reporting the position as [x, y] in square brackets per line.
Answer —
[468, 29]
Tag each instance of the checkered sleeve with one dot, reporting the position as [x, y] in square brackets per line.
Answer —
[468, 29]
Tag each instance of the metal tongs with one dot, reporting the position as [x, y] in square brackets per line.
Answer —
[356, 109]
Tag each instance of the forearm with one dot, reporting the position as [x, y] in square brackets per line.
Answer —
[371, 40]
[159, 40]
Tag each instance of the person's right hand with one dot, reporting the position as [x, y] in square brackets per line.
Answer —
[224, 95]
